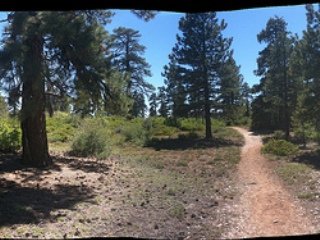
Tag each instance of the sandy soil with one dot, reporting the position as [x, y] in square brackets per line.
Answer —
[265, 207]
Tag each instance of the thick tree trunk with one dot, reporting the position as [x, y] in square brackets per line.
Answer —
[33, 120]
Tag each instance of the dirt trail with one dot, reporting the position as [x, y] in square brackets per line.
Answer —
[265, 207]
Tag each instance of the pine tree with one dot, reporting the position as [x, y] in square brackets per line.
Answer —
[230, 91]
[65, 49]
[200, 51]
[162, 98]
[153, 105]
[246, 98]
[127, 59]
[175, 88]
[277, 98]
[309, 60]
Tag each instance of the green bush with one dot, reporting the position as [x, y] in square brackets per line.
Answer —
[92, 140]
[172, 122]
[280, 148]
[191, 124]
[136, 133]
[158, 127]
[278, 134]
[10, 135]
[61, 127]
[217, 125]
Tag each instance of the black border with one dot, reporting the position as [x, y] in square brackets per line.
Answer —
[161, 5]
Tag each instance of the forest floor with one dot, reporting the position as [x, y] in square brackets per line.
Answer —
[178, 188]
[264, 206]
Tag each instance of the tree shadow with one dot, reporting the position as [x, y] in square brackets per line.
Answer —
[11, 163]
[83, 164]
[25, 205]
[186, 142]
[311, 158]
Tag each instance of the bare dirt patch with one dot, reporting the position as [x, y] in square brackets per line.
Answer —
[265, 207]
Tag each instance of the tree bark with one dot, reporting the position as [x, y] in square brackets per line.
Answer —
[33, 119]
[207, 111]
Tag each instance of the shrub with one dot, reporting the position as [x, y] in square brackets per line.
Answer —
[172, 122]
[157, 126]
[136, 133]
[61, 127]
[217, 125]
[10, 135]
[280, 148]
[278, 134]
[92, 140]
[191, 124]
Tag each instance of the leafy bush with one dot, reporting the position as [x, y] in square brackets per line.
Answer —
[61, 127]
[172, 122]
[92, 140]
[191, 124]
[136, 133]
[278, 134]
[217, 125]
[280, 148]
[10, 135]
[158, 127]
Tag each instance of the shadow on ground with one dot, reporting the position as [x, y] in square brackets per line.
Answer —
[85, 165]
[186, 142]
[30, 200]
[309, 158]
[25, 205]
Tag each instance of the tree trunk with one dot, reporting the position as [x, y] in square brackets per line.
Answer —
[207, 111]
[286, 98]
[33, 119]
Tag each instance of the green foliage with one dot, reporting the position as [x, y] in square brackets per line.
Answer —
[3, 108]
[191, 124]
[278, 135]
[217, 125]
[61, 127]
[136, 133]
[92, 139]
[276, 93]
[294, 172]
[10, 135]
[280, 148]
[159, 127]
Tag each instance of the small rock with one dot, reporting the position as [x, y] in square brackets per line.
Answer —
[275, 221]
[193, 215]
[156, 226]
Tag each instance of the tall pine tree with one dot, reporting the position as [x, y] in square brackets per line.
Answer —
[200, 52]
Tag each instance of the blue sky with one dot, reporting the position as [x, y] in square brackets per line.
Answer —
[159, 34]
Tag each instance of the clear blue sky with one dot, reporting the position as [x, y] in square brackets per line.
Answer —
[159, 34]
